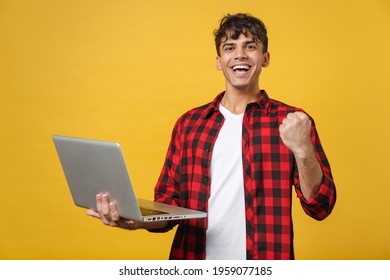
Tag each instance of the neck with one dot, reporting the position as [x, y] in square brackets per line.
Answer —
[237, 100]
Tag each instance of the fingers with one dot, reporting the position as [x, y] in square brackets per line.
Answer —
[286, 122]
[295, 120]
[295, 131]
[116, 220]
[295, 117]
[289, 119]
[99, 203]
[114, 212]
[105, 210]
[297, 114]
[108, 213]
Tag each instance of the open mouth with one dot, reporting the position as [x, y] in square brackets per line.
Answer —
[243, 68]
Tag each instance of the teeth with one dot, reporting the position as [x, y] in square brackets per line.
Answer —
[240, 67]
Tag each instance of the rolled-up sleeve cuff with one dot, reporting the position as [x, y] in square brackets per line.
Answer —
[321, 205]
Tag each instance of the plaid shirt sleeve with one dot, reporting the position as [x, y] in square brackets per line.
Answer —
[321, 205]
[168, 186]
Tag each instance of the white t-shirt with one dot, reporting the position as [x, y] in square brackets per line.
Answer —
[226, 231]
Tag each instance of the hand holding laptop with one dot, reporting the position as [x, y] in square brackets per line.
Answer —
[94, 169]
[108, 213]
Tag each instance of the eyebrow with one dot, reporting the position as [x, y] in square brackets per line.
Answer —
[244, 43]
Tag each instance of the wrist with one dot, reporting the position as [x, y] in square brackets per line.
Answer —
[305, 152]
[154, 225]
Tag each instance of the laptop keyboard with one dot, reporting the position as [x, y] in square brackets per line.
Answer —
[150, 212]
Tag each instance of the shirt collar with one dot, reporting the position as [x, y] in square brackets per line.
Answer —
[262, 103]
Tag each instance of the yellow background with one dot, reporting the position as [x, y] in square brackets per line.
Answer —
[125, 70]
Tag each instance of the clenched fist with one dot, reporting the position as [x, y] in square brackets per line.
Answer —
[295, 133]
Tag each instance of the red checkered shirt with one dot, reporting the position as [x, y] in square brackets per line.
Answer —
[269, 170]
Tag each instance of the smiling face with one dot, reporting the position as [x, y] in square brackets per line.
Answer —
[241, 61]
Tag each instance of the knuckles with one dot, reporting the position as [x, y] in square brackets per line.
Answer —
[295, 119]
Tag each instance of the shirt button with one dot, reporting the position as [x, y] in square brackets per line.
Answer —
[205, 179]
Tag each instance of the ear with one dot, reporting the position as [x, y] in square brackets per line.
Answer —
[266, 59]
[218, 63]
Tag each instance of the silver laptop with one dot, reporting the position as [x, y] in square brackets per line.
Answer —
[93, 167]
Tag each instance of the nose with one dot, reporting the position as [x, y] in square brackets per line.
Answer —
[240, 53]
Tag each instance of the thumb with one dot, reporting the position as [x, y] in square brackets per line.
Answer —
[92, 213]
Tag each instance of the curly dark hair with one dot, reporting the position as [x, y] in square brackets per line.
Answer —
[231, 26]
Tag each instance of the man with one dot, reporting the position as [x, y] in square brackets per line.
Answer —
[237, 158]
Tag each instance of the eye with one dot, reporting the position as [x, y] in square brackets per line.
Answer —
[251, 47]
[228, 49]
